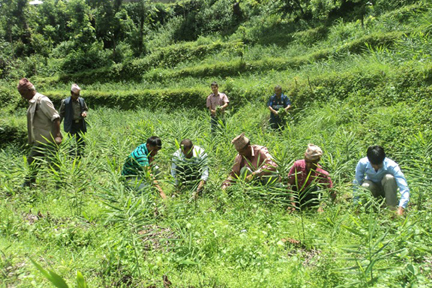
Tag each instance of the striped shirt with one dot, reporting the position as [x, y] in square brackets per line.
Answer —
[136, 161]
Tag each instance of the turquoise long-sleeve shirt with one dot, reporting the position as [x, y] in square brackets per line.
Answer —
[364, 170]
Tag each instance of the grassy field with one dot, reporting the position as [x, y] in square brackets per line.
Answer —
[92, 224]
[352, 86]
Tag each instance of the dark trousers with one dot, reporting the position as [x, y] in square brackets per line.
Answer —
[187, 177]
[77, 133]
[216, 125]
[309, 197]
[40, 153]
[277, 123]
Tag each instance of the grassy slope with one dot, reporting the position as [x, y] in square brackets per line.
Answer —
[377, 96]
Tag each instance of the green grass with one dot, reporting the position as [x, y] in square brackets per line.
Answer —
[354, 96]
[221, 240]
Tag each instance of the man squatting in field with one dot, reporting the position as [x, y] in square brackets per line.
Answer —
[137, 167]
[306, 179]
[216, 103]
[43, 127]
[276, 102]
[253, 160]
[189, 167]
[73, 110]
[382, 176]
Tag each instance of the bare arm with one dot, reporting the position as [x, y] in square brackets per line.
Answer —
[58, 136]
[272, 110]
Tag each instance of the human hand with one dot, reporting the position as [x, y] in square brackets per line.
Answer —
[195, 195]
[292, 208]
[58, 139]
[400, 211]
[249, 178]
[84, 114]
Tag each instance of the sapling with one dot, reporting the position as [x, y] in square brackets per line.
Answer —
[282, 113]
[219, 111]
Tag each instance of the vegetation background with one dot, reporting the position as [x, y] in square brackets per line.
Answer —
[358, 73]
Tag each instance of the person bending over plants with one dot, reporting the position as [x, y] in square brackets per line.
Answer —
[382, 176]
[216, 103]
[306, 180]
[253, 162]
[137, 168]
[278, 105]
[189, 167]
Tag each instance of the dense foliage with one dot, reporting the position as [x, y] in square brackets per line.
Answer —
[358, 73]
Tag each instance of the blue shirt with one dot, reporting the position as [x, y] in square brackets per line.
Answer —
[364, 167]
[136, 161]
[277, 103]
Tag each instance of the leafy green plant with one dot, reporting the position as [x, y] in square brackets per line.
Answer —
[57, 280]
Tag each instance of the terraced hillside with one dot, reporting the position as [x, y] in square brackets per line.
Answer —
[354, 81]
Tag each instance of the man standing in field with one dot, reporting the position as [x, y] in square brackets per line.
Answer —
[278, 105]
[306, 179]
[189, 166]
[382, 176]
[137, 168]
[74, 111]
[252, 160]
[216, 103]
[43, 125]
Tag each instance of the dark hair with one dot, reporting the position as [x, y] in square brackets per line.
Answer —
[214, 83]
[376, 154]
[155, 142]
[186, 144]
[278, 87]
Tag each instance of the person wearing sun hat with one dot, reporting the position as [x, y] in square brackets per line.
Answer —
[43, 125]
[253, 160]
[306, 179]
[73, 110]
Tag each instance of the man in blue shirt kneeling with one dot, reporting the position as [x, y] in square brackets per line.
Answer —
[382, 176]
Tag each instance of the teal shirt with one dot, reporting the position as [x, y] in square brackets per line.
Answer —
[136, 161]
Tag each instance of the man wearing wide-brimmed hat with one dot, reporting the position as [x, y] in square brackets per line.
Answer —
[73, 111]
[254, 160]
[43, 126]
[306, 179]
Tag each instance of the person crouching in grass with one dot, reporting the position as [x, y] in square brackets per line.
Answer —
[137, 167]
[306, 180]
[189, 167]
[382, 177]
[253, 160]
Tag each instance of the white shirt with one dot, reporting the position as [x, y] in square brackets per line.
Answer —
[198, 156]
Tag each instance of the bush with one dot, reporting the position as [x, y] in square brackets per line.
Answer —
[79, 60]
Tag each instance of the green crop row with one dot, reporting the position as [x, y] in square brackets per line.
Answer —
[138, 69]
[164, 57]
[371, 83]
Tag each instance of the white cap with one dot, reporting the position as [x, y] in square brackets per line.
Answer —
[75, 88]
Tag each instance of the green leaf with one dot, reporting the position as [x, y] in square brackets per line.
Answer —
[51, 276]
[81, 283]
